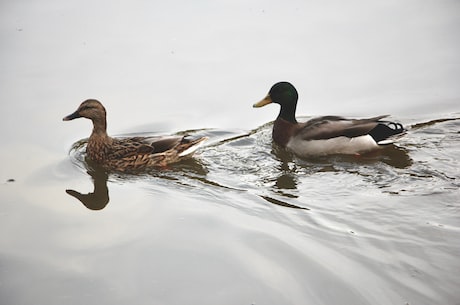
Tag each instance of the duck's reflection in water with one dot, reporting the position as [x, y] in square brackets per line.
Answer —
[291, 170]
[181, 172]
[99, 198]
[396, 157]
[287, 178]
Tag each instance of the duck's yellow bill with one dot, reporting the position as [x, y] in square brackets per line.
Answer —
[267, 100]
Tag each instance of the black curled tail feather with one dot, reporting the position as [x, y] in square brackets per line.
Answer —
[386, 130]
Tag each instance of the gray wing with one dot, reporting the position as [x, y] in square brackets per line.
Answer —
[328, 127]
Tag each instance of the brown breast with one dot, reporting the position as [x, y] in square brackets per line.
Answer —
[98, 148]
[283, 131]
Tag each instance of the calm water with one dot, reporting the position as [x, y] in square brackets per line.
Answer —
[244, 222]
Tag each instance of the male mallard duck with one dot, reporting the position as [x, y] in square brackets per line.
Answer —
[328, 134]
[127, 154]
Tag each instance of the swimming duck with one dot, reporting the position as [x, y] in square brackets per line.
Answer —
[328, 134]
[128, 154]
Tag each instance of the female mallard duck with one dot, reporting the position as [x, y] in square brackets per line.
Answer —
[328, 134]
[128, 154]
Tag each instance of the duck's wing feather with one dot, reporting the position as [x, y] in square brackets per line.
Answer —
[328, 127]
[127, 147]
[162, 144]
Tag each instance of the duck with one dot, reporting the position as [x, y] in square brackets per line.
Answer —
[130, 153]
[326, 135]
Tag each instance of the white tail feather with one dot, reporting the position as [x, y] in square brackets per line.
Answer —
[189, 151]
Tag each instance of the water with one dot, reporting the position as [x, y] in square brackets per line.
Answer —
[244, 222]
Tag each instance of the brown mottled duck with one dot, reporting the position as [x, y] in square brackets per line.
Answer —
[328, 134]
[134, 153]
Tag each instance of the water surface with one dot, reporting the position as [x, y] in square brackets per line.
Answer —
[244, 222]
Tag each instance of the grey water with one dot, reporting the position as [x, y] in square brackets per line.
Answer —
[244, 222]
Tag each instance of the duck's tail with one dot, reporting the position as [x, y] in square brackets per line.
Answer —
[188, 147]
[387, 132]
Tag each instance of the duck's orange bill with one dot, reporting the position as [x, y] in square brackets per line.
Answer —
[267, 100]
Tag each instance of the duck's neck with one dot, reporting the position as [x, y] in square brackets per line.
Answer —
[99, 142]
[283, 130]
[288, 114]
